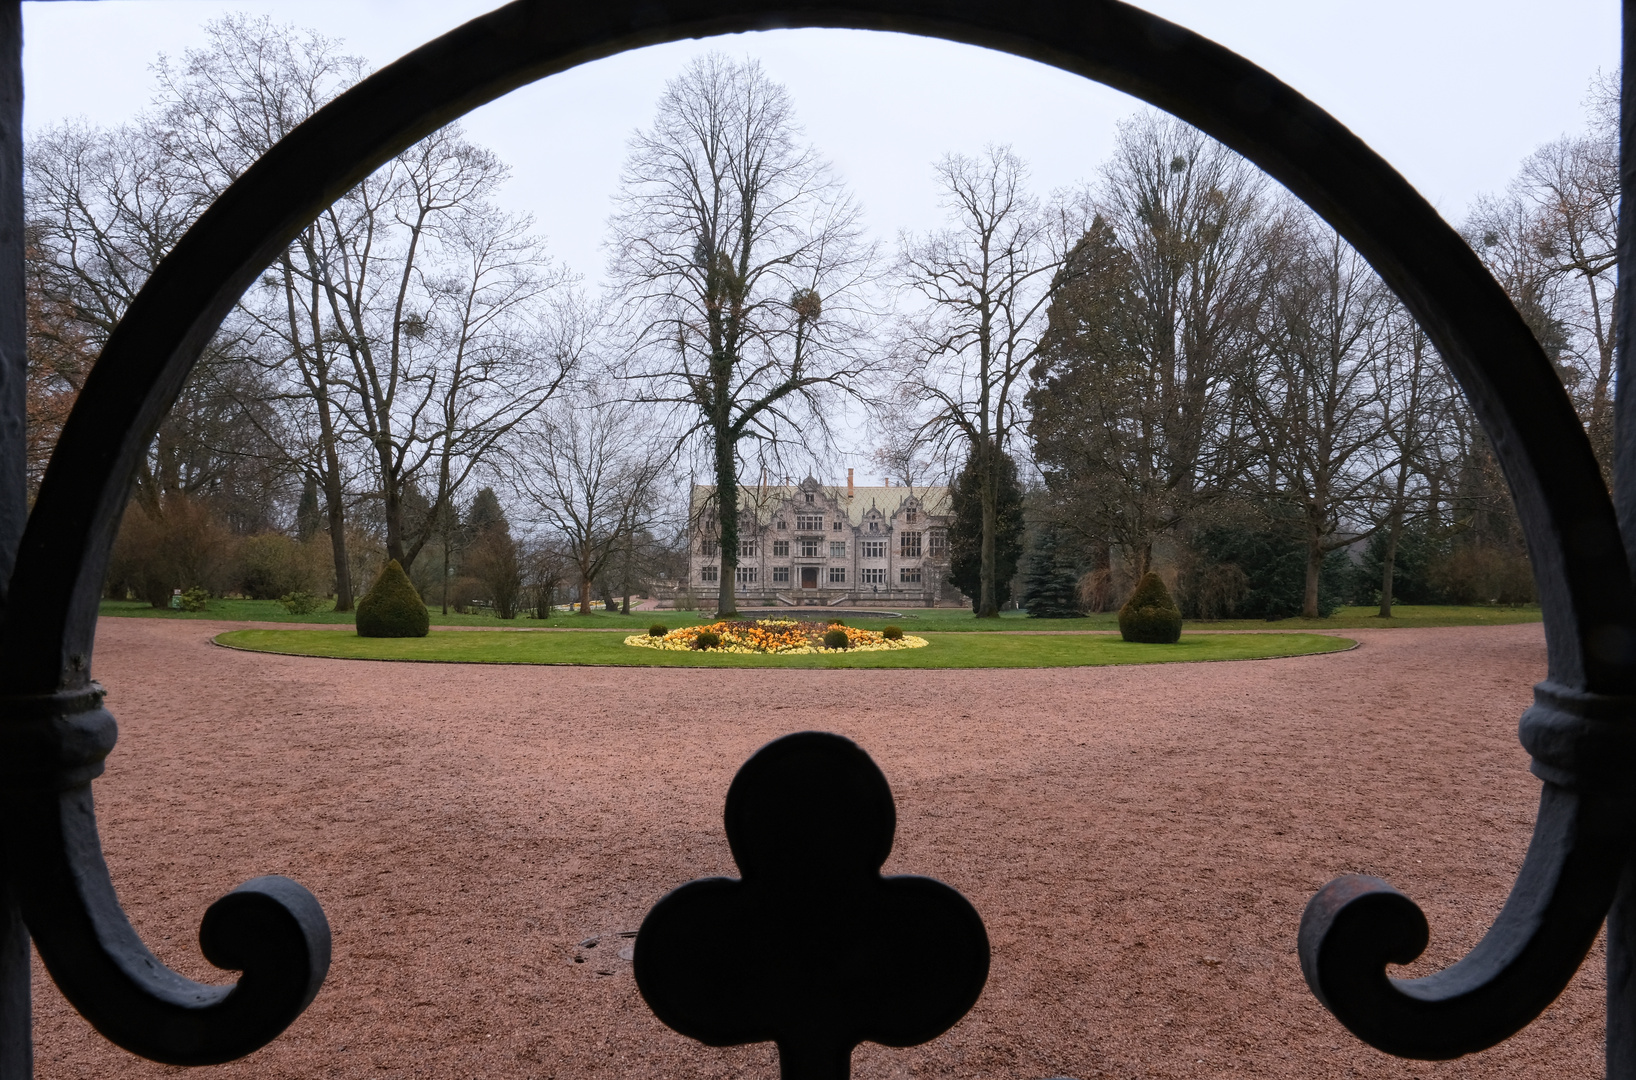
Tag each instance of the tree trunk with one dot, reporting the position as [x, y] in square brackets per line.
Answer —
[727, 517]
[1387, 567]
[335, 511]
[988, 473]
[392, 510]
[1101, 590]
[445, 573]
[584, 591]
[1315, 564]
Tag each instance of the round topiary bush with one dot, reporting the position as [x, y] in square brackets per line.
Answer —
[658, 629]
[836, 622]
[707, 639]
[836, 639]
[892, 633]
[392, 607]
[1150, 615]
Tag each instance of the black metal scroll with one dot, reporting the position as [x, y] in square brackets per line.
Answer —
[53, 732]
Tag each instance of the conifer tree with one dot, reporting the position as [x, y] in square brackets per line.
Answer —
[1051, 588]
[966, 530]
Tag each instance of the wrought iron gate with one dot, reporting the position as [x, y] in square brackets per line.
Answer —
[54, 733]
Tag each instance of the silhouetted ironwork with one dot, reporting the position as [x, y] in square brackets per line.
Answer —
[54, 733]
[813, 950]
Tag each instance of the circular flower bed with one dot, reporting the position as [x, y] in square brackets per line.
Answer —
[783, 636]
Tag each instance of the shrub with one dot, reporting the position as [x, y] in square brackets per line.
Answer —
[196, 599]
[836, 622]
[836, 639]
[301, 603]
[181, 547]
[271, 565]
[392, 607]
[892, 633]
[707, 639]
[658, 629]
[1150, 615]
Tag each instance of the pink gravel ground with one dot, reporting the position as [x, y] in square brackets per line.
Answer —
[1139, 840]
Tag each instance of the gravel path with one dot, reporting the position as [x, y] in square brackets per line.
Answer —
[1139, 840]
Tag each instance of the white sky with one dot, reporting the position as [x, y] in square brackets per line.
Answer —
[1454, 93]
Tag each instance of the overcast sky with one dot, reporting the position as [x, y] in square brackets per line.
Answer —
[1452, 92]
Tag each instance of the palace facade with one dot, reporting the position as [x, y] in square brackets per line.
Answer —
[812, 544]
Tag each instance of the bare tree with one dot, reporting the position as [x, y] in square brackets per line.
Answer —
[741, 261]
[1550, 239]
[1314, 404]
[1417, 399]
[984, 283]
[445, 311]
[590, 477]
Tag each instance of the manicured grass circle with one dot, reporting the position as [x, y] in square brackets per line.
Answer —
[945, 650]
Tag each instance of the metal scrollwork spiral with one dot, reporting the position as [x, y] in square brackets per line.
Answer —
[55, 733]
[270, 929]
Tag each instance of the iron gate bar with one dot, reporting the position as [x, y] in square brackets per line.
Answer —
[53, 733]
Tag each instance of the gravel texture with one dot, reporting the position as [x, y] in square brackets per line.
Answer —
[1139, 840]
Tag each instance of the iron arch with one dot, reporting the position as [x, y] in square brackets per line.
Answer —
[1577, 730]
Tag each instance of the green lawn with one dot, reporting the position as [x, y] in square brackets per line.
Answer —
[945, 650]
[922, 620]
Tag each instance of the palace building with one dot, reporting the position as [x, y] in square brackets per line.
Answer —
[809, 543]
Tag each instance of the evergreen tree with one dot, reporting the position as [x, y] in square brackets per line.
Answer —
[966, 530]
[484, 514]
[309, 516]
[1051, 588]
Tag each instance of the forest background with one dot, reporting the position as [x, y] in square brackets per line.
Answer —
[1194, 374]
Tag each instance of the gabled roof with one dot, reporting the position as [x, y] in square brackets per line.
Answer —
[767, 501]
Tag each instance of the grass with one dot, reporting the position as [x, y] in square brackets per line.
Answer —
[945, 650]
[920, 620]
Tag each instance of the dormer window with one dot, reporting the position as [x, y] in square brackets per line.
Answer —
[874, 526]
[782, 525]
[909, 515]
[809, 498]
[835, 526]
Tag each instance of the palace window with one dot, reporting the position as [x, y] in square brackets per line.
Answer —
[745, 575]
[874, 549]
[781, 549]
[910, 515]
[709, 573]
[809, 549]
[809, 523]
[937, 541]
[909, 545]
[837, 575]
[809, 498]
[746, 549]
[909, 575]
[874, 526]
[781, 575]
[874, 575]
[782, 524]
[835, 525]
[707, 547]
[837, 549]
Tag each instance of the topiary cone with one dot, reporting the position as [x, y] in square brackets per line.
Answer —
[392, 607]
[1150, 615]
